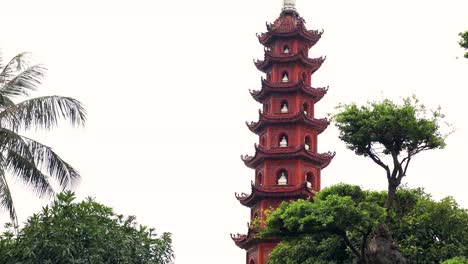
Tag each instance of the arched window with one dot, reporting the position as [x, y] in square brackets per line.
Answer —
[306, 108]
[283, 141]
[259, 179]
[266, 108]
[282, 177]
[304, 77]
[252, 262]
[286, 49]
[307, 143]
[263, 141]
[284, 107]
[285, 77]
[269, 76]
[310, 180]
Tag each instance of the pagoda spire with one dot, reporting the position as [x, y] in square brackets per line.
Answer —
[289, 6]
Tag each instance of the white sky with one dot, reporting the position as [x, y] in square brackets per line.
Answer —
[166, 86]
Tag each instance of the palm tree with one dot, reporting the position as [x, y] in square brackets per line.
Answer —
[25, 159]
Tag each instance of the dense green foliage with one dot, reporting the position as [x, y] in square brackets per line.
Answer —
[337, 226]
[457, 260]
[464, 41]
[386, 129]
[84, 232]
[27, 160]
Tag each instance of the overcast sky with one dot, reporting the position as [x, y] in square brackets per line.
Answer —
[165, 84]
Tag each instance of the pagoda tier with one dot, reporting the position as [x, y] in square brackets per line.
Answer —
[289, 27]
[287, 153]
[286, 192]
[289, 58]
[269, 88]
[249, 240]
[287, 119]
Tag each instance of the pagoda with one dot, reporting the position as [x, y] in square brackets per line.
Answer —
[286, 162]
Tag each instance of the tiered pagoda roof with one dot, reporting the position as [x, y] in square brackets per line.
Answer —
[285, 153]
[289, 26]
[258, 193]
[300, 57]
[280, 119]
[246, 241]
[269, 88]
[281, 161]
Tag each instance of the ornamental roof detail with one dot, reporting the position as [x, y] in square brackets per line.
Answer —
[284, 153]
[289, 26]
[269, 88]
[300, 191]
[300, 57]
[279, 119]
[245, 241]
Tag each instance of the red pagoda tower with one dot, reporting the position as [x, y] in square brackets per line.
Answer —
[286, 163]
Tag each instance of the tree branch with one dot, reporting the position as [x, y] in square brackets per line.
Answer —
[397, 173]
[408, 159]
[377, 160]
[348, 243]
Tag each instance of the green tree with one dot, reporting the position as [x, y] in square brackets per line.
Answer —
[337, 226]
[84, 232]
[464, 41]
[29, 161]
[385, 129]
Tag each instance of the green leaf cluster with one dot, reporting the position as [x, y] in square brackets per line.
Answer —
[430, 232]
[337, 225]
[464, 41]
[83, 232]
[457, 260]
[342, 213]
[398, 128]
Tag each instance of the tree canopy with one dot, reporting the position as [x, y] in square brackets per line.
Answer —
[386, 129]
[464, 41]
[83, 232]
[27, 160]
[337, 226]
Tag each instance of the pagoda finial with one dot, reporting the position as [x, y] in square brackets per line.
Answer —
[289, 5]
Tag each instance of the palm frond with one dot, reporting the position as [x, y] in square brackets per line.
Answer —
[20, 61]
[31, 153]
[5, 102]
[51, 163]
[20, 161]
[23, 82]
[45, 112]
[10, 140]
[26, 171]
[6, 200]
[8, 119]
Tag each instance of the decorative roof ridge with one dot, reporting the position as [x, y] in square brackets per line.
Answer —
[262, 65]
[326, 155]
[243, 240]
[323, 159]
[266, 191]
[238, 237]
[319, 123]
[311, 36]
[287, 87]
